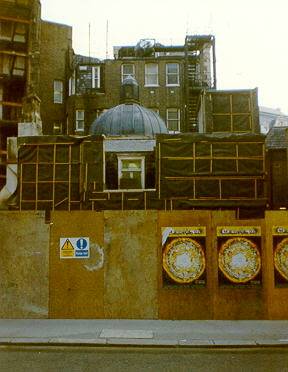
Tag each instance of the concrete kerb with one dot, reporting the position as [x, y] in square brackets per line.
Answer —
[143, 343]
[141, 333]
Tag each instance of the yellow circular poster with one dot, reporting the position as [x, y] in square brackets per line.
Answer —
[239, 260]
[184, 260]
[281, 258]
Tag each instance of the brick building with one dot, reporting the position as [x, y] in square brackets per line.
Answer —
[31, 51]
[55, 59]
[178, 82]
[171, 81]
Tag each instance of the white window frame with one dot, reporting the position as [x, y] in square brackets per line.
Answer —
[19, 66]
[96, 77]
[20, 33]
[72, 84]
[79, 120]
[131, 157]
[172, 74]
[124, 75]
[149, 74]
[58, 91]
[169, 111]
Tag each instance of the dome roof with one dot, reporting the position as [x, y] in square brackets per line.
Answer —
[129, 92]
[128, 119]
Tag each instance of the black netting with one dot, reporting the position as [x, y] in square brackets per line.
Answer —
[45, 172]
[240, 102]
[221, 103]
[224, 166]
[241, 123]
[207, 189]
[171, 167]
[221, 123]
[224, 150]
[202, 166]
[28, 172]
[250, 149]
[250, 166]
[238, 188]
[177, 188]
[202, 149]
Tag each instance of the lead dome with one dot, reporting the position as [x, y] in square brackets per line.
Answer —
[129, 118]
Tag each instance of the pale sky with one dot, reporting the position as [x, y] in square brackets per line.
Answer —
[251, 35]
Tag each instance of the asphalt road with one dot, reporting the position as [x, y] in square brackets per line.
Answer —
[78, 359]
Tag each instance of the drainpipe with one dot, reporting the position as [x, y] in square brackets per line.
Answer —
[11, 173]
[214, 64]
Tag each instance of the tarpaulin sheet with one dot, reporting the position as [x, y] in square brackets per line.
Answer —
[232, 111]
[186, 158]
[50, 169]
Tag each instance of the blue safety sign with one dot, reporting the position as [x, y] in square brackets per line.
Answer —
[81, 243]
[74, 247]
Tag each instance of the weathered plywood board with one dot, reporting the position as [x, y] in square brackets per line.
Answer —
[178, 301]
[277, 304]
[232, 301]
[76, 285]
[239, 303]
[24, 240]
[123, 276]
[131, 265]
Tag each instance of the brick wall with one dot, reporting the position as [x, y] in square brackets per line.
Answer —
[160, 97]
[56, 41]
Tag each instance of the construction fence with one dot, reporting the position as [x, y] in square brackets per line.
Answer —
[144, 265]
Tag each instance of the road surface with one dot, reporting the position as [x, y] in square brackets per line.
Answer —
[77, 359]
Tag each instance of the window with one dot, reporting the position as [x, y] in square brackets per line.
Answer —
[58, 91]
[80, 116]
[127, 70]
[5, 30]
[130, 172]
[57, 128]
[20, 33]
[72, 84]
[95, 76]
[83, 68]
[19, 66]
[173, 119]
[172, 74]
[5, 64]
[151, 74]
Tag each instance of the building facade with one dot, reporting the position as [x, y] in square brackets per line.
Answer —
[177, 82]
[171, 82]
[270, 118]
[31, 51]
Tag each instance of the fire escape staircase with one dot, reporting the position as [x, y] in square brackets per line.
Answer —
[193, 95]
[193, 83]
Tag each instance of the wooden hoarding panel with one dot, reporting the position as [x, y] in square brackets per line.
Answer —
[131, 264]
[276, 235]
[77, 282]
[191, 300]
[239, 298]
[24, 265]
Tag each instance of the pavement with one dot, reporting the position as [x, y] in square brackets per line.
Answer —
[161, 333]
